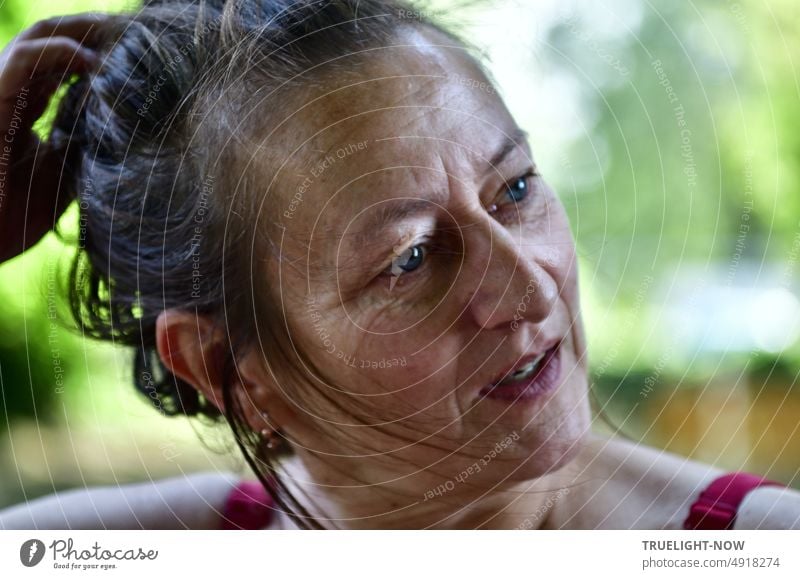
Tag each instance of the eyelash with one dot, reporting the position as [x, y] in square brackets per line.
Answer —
[528, 178]
[425, 243]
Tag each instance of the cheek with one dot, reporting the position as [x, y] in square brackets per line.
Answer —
[400, 379]
[408, 329]
[559, 258]
[402, 308]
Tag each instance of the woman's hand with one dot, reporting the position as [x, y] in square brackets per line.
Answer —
[33, 65]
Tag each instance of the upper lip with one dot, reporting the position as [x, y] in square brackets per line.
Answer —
[527, 358]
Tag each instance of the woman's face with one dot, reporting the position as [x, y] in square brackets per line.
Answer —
[421, 258]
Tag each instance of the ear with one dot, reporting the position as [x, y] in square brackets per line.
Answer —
[193, 349]
[190, 349]
[264, 392]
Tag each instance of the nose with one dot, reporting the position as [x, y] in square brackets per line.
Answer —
[505, 276]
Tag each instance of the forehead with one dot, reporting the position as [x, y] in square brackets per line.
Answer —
[413, 120]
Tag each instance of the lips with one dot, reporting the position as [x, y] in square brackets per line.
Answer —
[508, 373]
[527, 384]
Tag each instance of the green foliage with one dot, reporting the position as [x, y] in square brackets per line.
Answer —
[40, 358]
[693, 150]
[688, 114]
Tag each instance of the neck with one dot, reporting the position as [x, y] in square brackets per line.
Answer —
[339, 501]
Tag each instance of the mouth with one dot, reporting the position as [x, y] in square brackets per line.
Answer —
[533, 376]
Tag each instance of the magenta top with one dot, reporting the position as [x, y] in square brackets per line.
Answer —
[250, 506]
[718, 504]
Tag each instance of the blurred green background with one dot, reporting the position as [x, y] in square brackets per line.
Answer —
[672, 135]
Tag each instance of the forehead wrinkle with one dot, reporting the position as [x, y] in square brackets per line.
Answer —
[431, 89]
[391, 212]
[403, 208]
[430, 86]
[394, 210]
[356, 133]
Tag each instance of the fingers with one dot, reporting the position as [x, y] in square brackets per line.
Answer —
[84, 28]
[44, 58]
[52, 48]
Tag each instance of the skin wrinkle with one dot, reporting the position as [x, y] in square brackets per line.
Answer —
[360, 239]
[344, 111]
[463, 202]
[369, 441]
[457, 405]
[259, 146]
[415, 427]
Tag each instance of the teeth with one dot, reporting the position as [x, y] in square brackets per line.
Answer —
[523, 372]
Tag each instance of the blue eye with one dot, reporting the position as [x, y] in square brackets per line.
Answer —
[407, 261]
[518, 189]
[514, 192]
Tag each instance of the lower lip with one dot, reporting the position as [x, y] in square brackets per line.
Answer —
[543, 381]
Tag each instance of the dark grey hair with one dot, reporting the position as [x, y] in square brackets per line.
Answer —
[153, 147]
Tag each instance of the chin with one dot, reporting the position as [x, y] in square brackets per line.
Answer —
[551, 454]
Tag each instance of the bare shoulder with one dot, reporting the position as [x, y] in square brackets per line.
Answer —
[769, 507]
[664, 485]
[193, 501]
[621, 484]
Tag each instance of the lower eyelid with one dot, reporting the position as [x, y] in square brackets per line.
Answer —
[509, 209]
[385, 270]
[530, 181]
[513, 207]
[428, 250]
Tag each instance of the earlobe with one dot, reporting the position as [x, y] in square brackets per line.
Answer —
[255, 396]
[189, 348]
[260, 394]
[192, 348]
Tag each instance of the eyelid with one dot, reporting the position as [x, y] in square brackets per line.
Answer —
[423, 241]
[527, 175]
[427, 238]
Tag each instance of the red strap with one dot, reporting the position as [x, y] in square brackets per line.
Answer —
[248, 506]
[716, 508]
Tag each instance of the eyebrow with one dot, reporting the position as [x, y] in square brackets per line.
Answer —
[395, 211]
[511, 142]
[390, 212]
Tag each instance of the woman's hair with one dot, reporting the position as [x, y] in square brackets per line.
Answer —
[158, 145]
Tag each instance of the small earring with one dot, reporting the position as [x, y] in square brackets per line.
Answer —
[271, 437]
[269, 434]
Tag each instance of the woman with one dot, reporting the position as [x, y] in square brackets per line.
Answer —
[319, 221]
